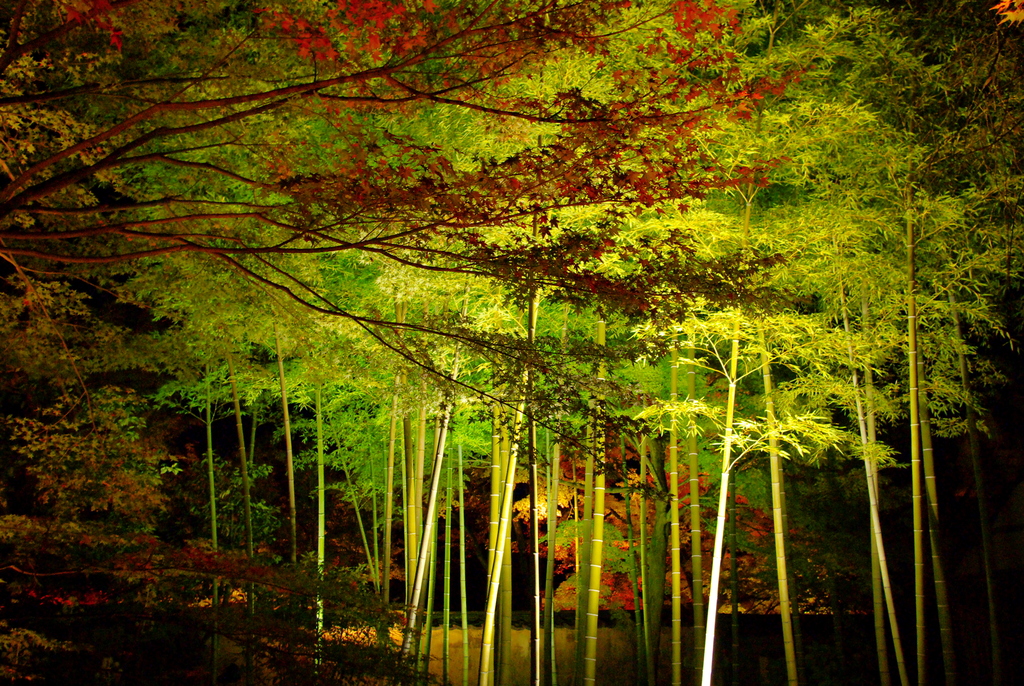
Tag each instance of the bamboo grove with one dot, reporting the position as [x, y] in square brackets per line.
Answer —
[506, 343]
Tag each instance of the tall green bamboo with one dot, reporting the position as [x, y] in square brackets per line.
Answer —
[596, 539]
[370, 562]
[674, 540]
[321, 511]
[716, 563]
[779, 530]
[462, 574]
[650, 667]
[584, 548]
[696, 545]
[934, 530]
[494, 501]
[915, 462]
[505, 635]
[389, 478]
[507, 487]
[974, 442]
[243, 466]
[536, 667]
[425, 646]
[408, 524]
[428, 532]
[289, 466]
[246, 510]
[447, 591]
[550, 660]
[866, 423]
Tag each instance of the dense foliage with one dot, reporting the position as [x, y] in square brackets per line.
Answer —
[268, 268]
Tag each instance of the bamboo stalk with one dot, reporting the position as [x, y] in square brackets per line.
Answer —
[423, 653]
[674, 540]
[389, 480]
[536, 669]
[447, 591]
[494, 518]
[649, 653]
[974, 443]
[321, 515]
[551, 659]
[716, 563]
[505, 635]
[244, 468]
[696, 545]
[917, 496]
[775, 466]
[493, 578]
[462, 574]
[428, 533]
[867, 433]
[597, 537]
[408, 526]
[289, 464]
[934, 530]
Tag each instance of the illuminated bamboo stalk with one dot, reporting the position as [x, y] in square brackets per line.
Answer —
[289, 463]
[583, 568]
[550, 658]
[872, 476]
[423, 653]
[389, 477]
[798, 641]
[866, 423]
[505, 634]
[505, 612]
[493, 577]
[917, 493]
[696, 545]
[716, 562]
[243, 465]
[494, 517]
[418, 472]
[974, 442]
[428, 532]
[252, 435]
[321, 515]
[674, 539]
[536, 669]
[362, 528]
[775, 466]
[934, 530]
[597, 536]
[447, 591]
[649, 662]
[374, 528]
[408, 526]
[462, 574]
[246, 510]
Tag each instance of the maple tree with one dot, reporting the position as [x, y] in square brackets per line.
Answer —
[273, 140]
